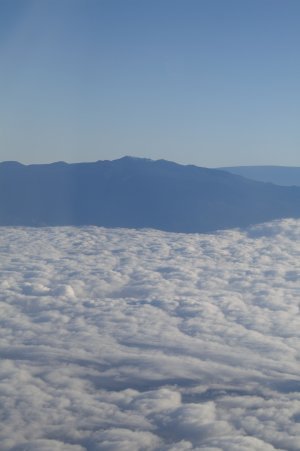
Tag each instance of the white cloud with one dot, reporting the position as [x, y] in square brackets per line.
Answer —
[144, 340]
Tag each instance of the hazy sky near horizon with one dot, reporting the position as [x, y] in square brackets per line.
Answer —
[208, 82]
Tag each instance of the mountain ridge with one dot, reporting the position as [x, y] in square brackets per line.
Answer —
[279, 175]
[138, 193]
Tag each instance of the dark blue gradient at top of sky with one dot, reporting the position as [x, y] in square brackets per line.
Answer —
[208, 82]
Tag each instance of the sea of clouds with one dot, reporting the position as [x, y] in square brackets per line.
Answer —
[143, 340]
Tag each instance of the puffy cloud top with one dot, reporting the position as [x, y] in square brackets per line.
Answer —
[144, 340]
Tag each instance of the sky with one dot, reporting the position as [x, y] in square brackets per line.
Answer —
[206, 82]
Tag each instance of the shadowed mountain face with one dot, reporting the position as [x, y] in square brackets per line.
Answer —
[133, 192]
[280, 175]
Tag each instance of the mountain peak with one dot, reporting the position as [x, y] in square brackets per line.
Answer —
[129, 158]
[130, 192]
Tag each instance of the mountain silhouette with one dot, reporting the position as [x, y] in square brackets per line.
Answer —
[280, 175]
[137, 193]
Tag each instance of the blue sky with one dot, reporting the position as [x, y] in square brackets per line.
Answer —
[208, 82]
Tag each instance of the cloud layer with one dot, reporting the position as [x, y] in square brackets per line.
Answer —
[144, 340]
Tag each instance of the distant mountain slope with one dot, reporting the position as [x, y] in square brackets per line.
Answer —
[133, 192]
[280, 175]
